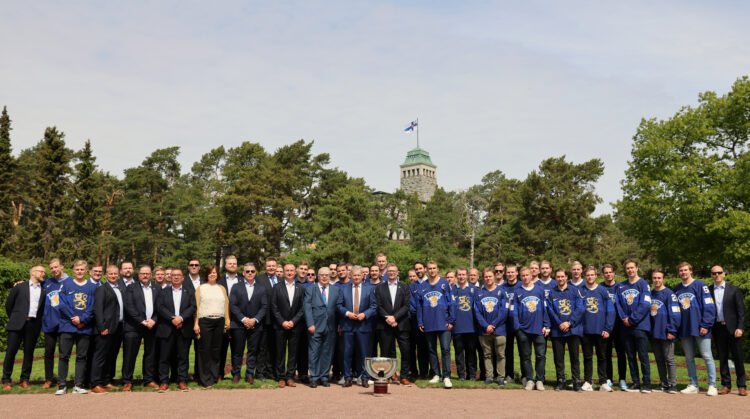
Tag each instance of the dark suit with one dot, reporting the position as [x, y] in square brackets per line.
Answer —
[21, 327]
[188, 284]
[267, 352]
[135, 333]
[171, 338]
[388, 335]
[322, 315]
[107, 317]
[227, 336]
[282, 311]
[356, 334]
[733, 315]
[254, 308]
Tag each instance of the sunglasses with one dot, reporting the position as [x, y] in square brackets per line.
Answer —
[717, 273]
[499, 271]
[249, 271]
[194, 264]
[311, 275]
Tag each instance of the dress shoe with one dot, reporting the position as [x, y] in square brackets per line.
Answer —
[182, 387]
[98, 390]
[560, 385]
[394, 379]
[163, 388]
[725, 390]
[290, 383]
[249, 380]
[7, 387]
[282, 383]
[365, 384]
[127, 387]
[111, 386]
[348, 383]
[236, 380]
[47, 384]
[405, 382]
[313, 384]
[743, 392]
[152, 385]
[325, 384]
[24, 384]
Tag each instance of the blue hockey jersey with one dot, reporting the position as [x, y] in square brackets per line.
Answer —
[697, 308]
[77, 300]
[634, 303]
[665, 314]
[529, 309]
[51, 316]
[434, 306]
[565, 306]
[463, 298]
[492, 308]
[600, 311]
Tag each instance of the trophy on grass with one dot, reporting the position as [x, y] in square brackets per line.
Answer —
[380, 369]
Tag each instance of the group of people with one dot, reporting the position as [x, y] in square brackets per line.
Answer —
[294, 324]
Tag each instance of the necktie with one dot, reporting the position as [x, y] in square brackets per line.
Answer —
[356, 299]
[325, 299]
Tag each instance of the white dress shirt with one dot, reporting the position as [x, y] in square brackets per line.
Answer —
[250, 288]
[231, 281]
[719, 300]
[147, 295]
[325, 300]
[35, 292]
[354, 287]
[116, 289]
[290, 291]
[177, 299]
[393, 287]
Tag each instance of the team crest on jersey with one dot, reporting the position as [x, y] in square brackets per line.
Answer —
[433, 297]
[54, 298]
[531, 303]
[685, 300]
[79, 300]
[464, 303]
[564, 307]
[592, 304]
[630, 295]
[655, 306]
[489, 304]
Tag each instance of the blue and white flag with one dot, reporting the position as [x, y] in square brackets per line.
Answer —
[411, 126]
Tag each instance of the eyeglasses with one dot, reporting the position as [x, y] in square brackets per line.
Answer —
[311, 275]
[194, 264]
[499, 271]
[249, 271]
[717, 273]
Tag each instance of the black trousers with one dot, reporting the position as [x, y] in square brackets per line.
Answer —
[50, 344]
[510, 339]
[337, 367]
[113, 353]
[525, 341]
[616, 341]
[241, 339]
[726, 345]
[466, 355]
[419, 354]
[590, 344]
[176, 346]
[81, 342]
[374, 345]
[28, 334]
[226, 344]
[388, 337]
[558, 350]
[267, 353]
[100, 366]
[207, 350]
[90, 362]
[131, 345]
[303, 367]
[286, 343]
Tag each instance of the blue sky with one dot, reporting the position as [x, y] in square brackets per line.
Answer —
[496, 85]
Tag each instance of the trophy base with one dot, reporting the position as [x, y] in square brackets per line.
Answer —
[380, 389]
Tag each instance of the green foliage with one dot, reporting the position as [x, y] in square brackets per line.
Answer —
[435, 229]
[10, 273]
[7, 185]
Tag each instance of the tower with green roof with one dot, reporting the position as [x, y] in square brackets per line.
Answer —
[418, 174]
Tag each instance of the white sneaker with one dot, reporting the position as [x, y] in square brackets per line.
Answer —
[447, 383]
[605, 387]
[609, 383]
[529, 385]
[712, 391]
[80, 390]
[587, 387]
[370, 382]
[691, 389]
[60, 391]
[540, 385]
[435, 379]
[341, 382]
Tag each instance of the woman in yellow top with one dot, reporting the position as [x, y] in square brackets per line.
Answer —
[211, 320]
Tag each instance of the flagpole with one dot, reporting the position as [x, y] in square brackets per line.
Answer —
[417, 132]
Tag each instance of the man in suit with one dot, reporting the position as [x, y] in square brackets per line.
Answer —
[393, 299]
[108, 315]
[267, 353]
[140, 326]
[228, 281]
[320, 304]
[191, 283]
[248, 305]
[356, 308]
[176, 308]
[286, 305]
[303, 364]
[728, 329]
[25, 308]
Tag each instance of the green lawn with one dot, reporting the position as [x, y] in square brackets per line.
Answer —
[37, 374]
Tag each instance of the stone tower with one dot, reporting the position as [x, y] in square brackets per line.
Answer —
[418, 174]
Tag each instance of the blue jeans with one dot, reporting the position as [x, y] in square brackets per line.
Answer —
[704, 346]
[444, 337]
[636, 342]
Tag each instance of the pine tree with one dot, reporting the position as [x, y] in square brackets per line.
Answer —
[7, 168]
[88, 198]
[52, 192]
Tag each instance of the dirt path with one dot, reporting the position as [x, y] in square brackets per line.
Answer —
[357, 402]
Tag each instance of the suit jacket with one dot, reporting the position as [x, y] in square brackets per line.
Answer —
[400, 310]
[107, 308]
[281, 309]
[223, 282]
[263, 280]
[165, 304]
[240, 307]
[17, 307]
[367, 304]
[733, 307]
[317, 312]
[135, 307]
[188, 283]
[121, 283]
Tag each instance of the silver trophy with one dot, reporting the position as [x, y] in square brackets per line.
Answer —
[380, 369]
